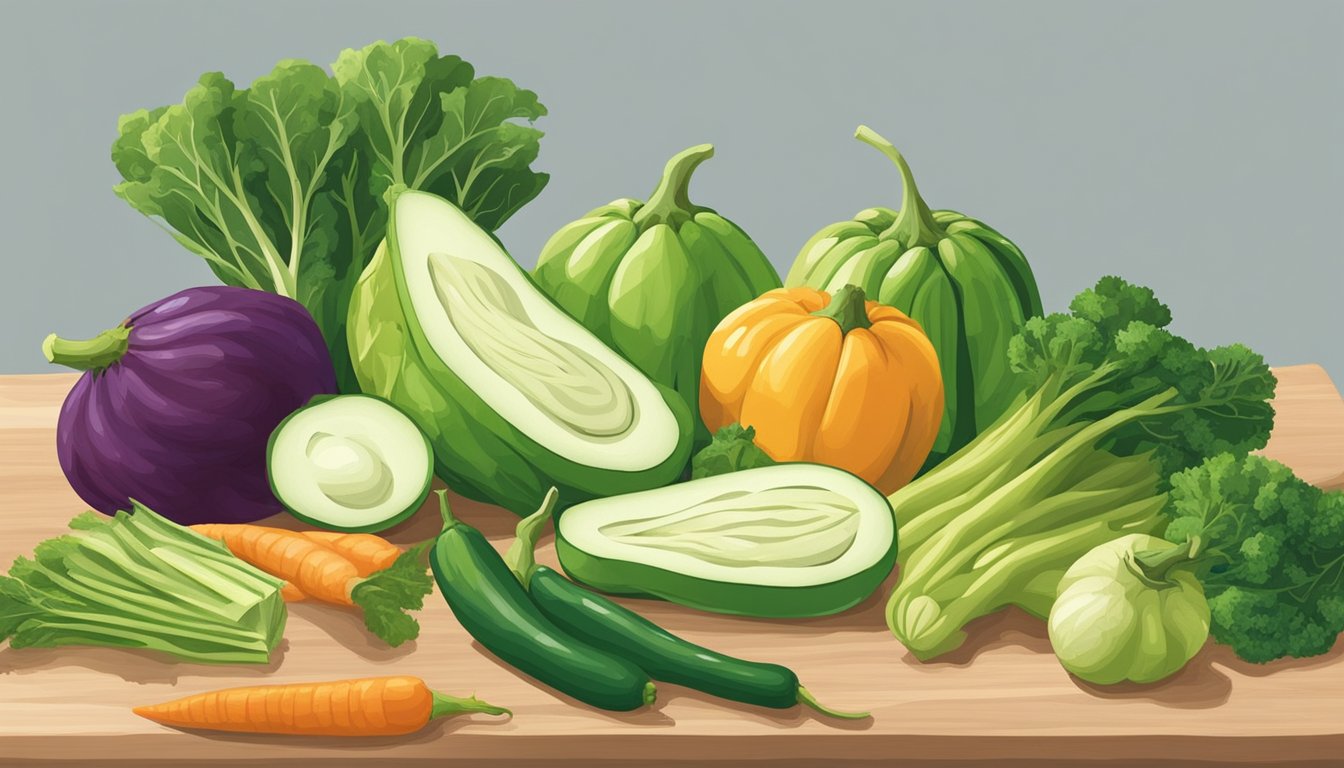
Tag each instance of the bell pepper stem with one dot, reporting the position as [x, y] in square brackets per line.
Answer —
[670, 203]
[914, 225]
[88, 354]
[847, 308]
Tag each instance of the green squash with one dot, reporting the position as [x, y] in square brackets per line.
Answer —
[653, 279]
[1116, 620]
[967, 285]
[787, 540]
[514, 395]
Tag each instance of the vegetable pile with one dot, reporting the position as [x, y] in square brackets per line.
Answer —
[1116, 403]
[651, 279]
[355, 571]
[966, 285]
[1253, 556]
[514, 395]
[701, 434]
[177, 403]
[581, 643]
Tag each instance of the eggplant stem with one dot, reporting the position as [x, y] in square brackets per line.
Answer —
[93, 354]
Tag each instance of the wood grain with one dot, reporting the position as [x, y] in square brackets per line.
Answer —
[1000, 698]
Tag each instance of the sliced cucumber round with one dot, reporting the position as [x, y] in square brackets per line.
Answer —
[349, 463]
[787, 540]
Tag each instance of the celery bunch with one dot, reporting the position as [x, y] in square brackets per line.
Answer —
[137, 580]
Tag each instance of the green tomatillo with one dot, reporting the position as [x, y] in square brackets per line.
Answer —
[1128, 610]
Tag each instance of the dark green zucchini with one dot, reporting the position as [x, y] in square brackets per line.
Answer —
[606, 625]
[492, 606]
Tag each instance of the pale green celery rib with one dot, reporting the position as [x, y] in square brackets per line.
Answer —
[1024, 504]
[113, 605]
[947, 481]
[1006, 449]
[90, 627]
[989, 475]
[146, 580]
[140, 581]
[1001, 583]
[55, 633]
[155, 530]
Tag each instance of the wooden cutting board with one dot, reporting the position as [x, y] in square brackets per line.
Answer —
[1001, 698]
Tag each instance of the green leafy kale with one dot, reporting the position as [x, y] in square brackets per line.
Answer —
[1268, 548]
[1114, 403]
[279, 186]
[733, 448]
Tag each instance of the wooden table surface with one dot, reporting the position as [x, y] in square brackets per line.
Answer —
[1002, 697]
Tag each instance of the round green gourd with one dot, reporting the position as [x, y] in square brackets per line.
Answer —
[1114, 621]
[653, 279]
[967, 285]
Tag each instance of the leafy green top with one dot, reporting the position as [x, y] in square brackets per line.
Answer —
[732, 449]
[1112, 360]
[386, 595]
[1268, 548]
[279, 186]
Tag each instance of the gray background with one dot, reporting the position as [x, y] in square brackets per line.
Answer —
[1194, 147]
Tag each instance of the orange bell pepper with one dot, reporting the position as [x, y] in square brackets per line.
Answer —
[832, 380]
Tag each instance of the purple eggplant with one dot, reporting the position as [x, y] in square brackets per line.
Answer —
[176, 404]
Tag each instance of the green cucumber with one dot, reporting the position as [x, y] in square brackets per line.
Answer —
[664, 656]
[492, 606]
[350, 463]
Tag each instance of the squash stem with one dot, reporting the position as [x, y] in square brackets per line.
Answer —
[521, 556]
[93, 354]
[847, 309]
[670, 203]
[914, 225]
[806, 698]
[446, 511]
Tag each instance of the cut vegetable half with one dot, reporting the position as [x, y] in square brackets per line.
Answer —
[350, 463]
[514, 394]
[782, 541]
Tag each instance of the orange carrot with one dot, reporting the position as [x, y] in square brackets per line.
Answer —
[372, 706]
[367, 552]
[313, 569]
[291, 594]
